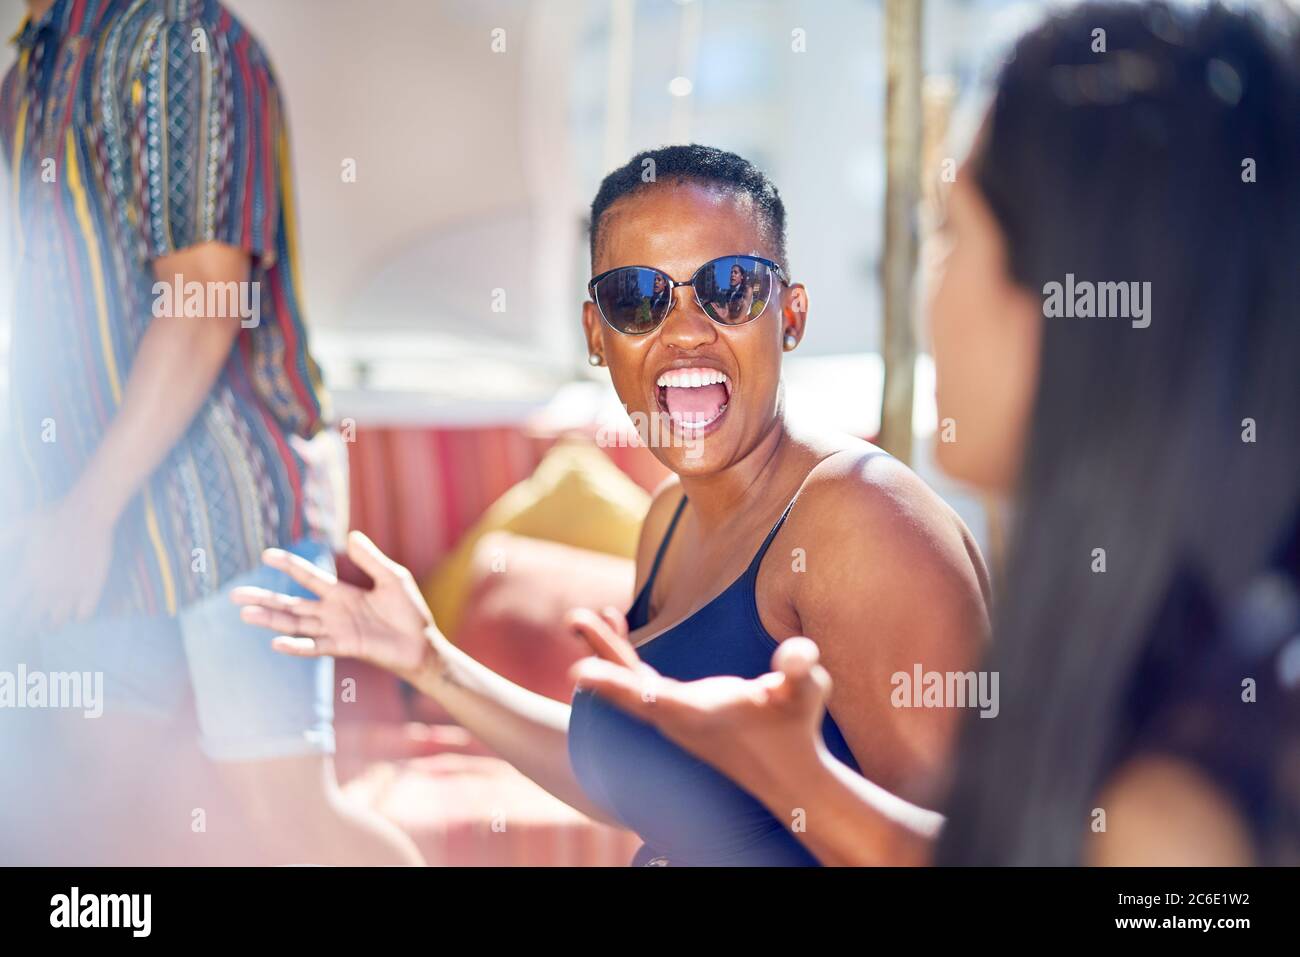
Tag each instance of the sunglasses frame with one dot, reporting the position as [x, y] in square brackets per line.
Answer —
[672, 286]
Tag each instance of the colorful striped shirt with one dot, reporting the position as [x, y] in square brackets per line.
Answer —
[134, 129]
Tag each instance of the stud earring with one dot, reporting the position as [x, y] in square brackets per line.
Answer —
[595, 360]
[791, 340]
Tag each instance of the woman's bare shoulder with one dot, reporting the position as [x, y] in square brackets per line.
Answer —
[860, 487]
[884, 535]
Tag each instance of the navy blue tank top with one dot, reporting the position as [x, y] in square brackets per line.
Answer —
[685, 811]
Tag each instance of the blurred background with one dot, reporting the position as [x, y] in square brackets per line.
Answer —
[477, 153]
[479, 132]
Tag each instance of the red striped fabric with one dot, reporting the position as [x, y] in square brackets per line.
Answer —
[416, 490]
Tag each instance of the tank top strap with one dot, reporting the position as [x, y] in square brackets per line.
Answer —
[767, 542]
[762, 549]
[663, 547]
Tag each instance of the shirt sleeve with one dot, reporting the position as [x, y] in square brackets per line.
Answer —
[208, 136]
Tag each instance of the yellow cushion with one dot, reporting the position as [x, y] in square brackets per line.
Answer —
[576, 497]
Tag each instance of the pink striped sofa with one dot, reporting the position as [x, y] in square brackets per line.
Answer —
[415, 491]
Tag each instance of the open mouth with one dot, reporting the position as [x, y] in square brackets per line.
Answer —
[695, 399]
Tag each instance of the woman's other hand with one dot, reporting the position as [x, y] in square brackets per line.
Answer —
[753, 730]
[385, 625]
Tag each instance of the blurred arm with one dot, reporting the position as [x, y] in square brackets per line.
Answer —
[176, 366]
[528, 730]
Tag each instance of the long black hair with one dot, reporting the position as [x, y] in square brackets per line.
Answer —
[1173, 157]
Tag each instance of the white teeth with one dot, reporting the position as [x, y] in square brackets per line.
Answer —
[691, 378]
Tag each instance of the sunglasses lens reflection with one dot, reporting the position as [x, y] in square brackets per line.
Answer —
[635, 299]
[734, 289]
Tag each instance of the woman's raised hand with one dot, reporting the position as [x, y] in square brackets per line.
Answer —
[384, 625]
[743, 727]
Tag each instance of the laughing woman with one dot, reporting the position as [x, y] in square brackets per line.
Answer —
[766, 531]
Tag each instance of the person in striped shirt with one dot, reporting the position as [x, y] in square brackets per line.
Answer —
[166, 420]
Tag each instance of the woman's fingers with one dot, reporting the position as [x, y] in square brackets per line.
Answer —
[798, 661]
[278, 612]
[369, 558]
[604, 640]
[795, 657]
[252, 595]
[303, 647]
[615, 619]
[277, 619]
[636, 691]
[314, 579]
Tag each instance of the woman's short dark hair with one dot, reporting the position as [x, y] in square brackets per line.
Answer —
[706, 165]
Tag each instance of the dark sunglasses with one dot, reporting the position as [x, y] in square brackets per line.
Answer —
[731, 290]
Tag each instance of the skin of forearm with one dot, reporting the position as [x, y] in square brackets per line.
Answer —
[527, 729]
[848, 820]
[175, 368]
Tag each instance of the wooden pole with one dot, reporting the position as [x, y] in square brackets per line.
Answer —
[902, 194]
